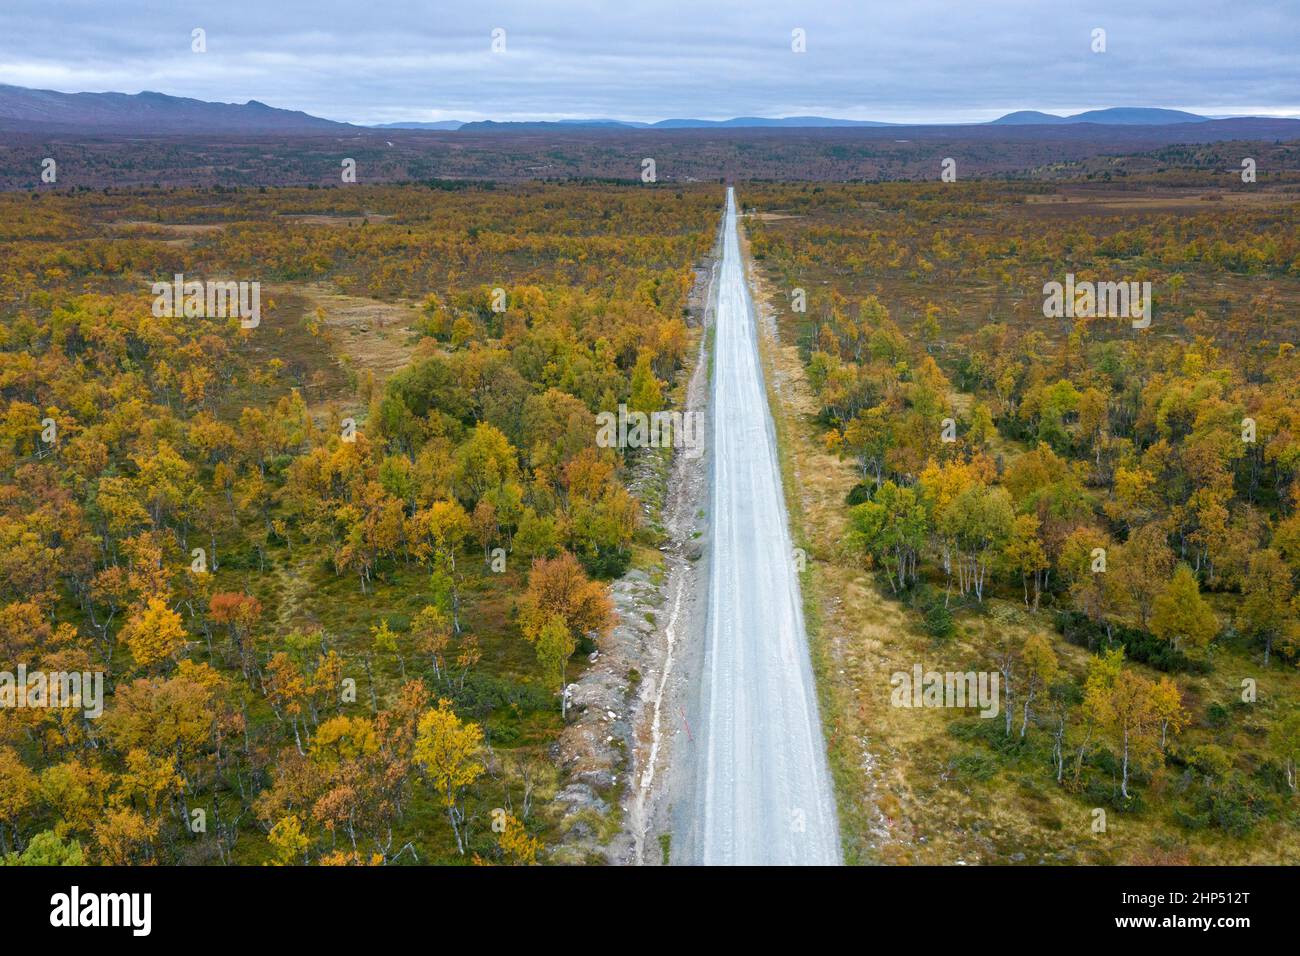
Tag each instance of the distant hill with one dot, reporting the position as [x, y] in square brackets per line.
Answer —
[541, 126]
[440, 124]
[1116, 116]
[1119, 116]
[750, 122]
[1029, 118]
[1137, 116]
[148, 112]
[739, 122]
[628, 124]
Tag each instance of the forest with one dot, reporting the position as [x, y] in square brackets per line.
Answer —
[334, 568]
[337, 567]
[683, 156]
[1104, 515]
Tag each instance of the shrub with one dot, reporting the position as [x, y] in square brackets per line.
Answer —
[858, 494]
[607, 562]
[938, 621]
[1139, 645]
[936, 616]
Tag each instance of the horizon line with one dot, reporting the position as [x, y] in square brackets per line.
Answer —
[989, 113]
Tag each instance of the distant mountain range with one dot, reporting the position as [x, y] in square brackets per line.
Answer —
[23, 109]
[740, 122]
[1118, 116]
[441, 124]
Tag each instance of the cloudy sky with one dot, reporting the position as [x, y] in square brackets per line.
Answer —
[370, 61]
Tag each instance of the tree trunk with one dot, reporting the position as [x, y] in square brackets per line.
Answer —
[1123, 787]
[455, 828]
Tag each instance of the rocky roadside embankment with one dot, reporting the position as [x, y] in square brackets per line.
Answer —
[614, 740]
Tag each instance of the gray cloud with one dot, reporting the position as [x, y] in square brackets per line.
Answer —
[383, 60]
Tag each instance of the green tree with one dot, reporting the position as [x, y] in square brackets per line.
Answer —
[554, 646]
[1139, 567]
[647, 394]
[1266, 612]
[1181, 615]
[1024, 554]
[891, 528]
[1039, 667]
[979, 520]
[47, 849]
[1285, 741]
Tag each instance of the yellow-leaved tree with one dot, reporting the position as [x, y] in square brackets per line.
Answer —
[154, 634]
[449, 751]
[519, 846]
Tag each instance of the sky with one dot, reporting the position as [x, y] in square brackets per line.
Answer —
[374, 61]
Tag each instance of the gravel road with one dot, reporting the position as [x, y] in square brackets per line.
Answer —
[762, 779]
